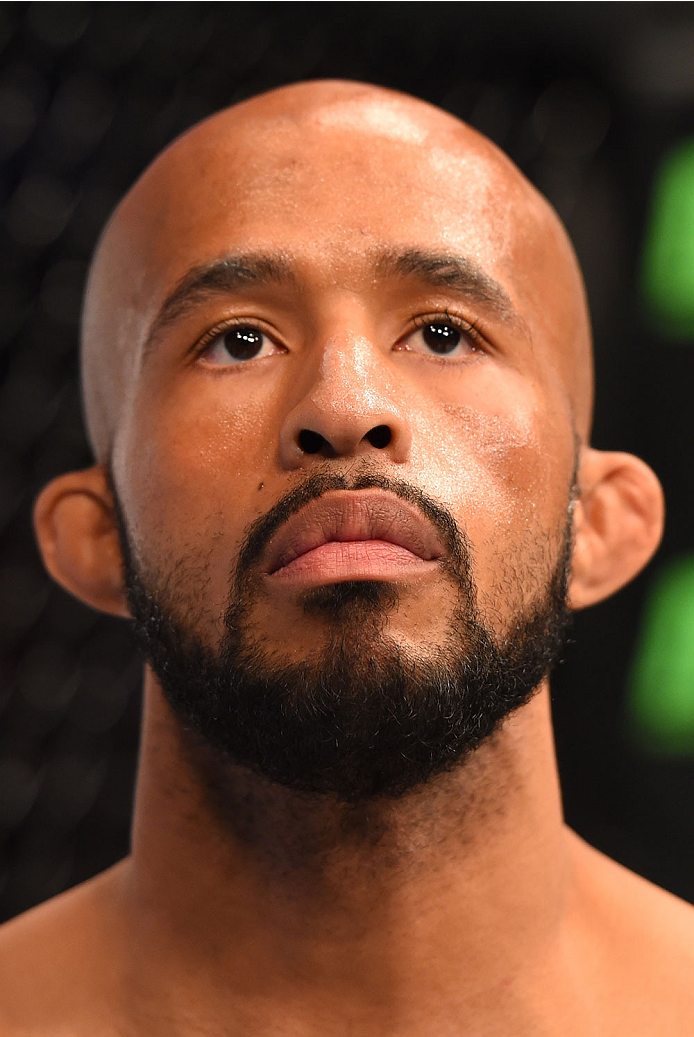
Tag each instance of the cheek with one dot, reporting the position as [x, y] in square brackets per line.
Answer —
[189, 476]
[504, 451]
[507, 477]
[190, 442]
[507, 460]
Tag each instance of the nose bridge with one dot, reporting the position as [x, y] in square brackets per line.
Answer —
[352, 372]
[349, 404]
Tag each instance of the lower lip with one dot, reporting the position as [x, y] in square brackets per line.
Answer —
[352, 560]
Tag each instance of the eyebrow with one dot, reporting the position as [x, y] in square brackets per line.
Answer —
[460, 274]
[223, 276]
[219, 277]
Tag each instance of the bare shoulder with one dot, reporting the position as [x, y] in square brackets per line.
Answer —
[58, 959]
[642, 939]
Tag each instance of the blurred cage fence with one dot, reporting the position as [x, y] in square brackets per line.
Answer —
[595, 102]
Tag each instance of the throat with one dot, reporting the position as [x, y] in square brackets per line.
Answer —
[453, 888]
[308, 839]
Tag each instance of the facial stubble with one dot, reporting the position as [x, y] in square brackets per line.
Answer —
[362, 717]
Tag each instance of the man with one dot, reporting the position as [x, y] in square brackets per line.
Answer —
[337, 379]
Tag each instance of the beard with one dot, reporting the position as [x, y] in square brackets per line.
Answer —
[361, 718]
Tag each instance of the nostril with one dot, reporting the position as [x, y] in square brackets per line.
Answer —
[311, 442]
[380, 436]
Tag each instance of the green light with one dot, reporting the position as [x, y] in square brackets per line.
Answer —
[668, 259]
[661, 692]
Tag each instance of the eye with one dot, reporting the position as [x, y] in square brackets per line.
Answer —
[441, 336]
[235, 344]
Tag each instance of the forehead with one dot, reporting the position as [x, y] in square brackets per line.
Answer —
[328, 192]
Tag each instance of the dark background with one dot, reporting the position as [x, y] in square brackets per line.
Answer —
[587, 98]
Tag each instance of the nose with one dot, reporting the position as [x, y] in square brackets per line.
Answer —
[351, 405]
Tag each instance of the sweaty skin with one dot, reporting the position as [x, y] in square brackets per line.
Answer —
[465, 907]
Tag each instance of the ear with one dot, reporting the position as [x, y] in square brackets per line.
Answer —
[75, 526]
[618, 523]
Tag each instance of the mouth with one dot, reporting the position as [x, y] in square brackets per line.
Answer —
[352, 535]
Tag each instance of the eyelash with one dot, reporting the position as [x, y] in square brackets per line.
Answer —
[226, 325]
[470, 328]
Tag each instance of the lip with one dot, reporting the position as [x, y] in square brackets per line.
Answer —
[348, 534]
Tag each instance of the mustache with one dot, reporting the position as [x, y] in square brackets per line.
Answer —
[261, 531]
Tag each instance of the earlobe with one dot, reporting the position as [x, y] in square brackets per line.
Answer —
[78, 538]
[618, 523]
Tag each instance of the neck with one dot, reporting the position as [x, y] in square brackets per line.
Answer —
[450, 894]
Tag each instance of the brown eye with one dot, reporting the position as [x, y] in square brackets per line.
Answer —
[236, 344]
[441, 338]
[242, 343]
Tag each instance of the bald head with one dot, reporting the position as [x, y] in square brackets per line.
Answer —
[353, 169]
